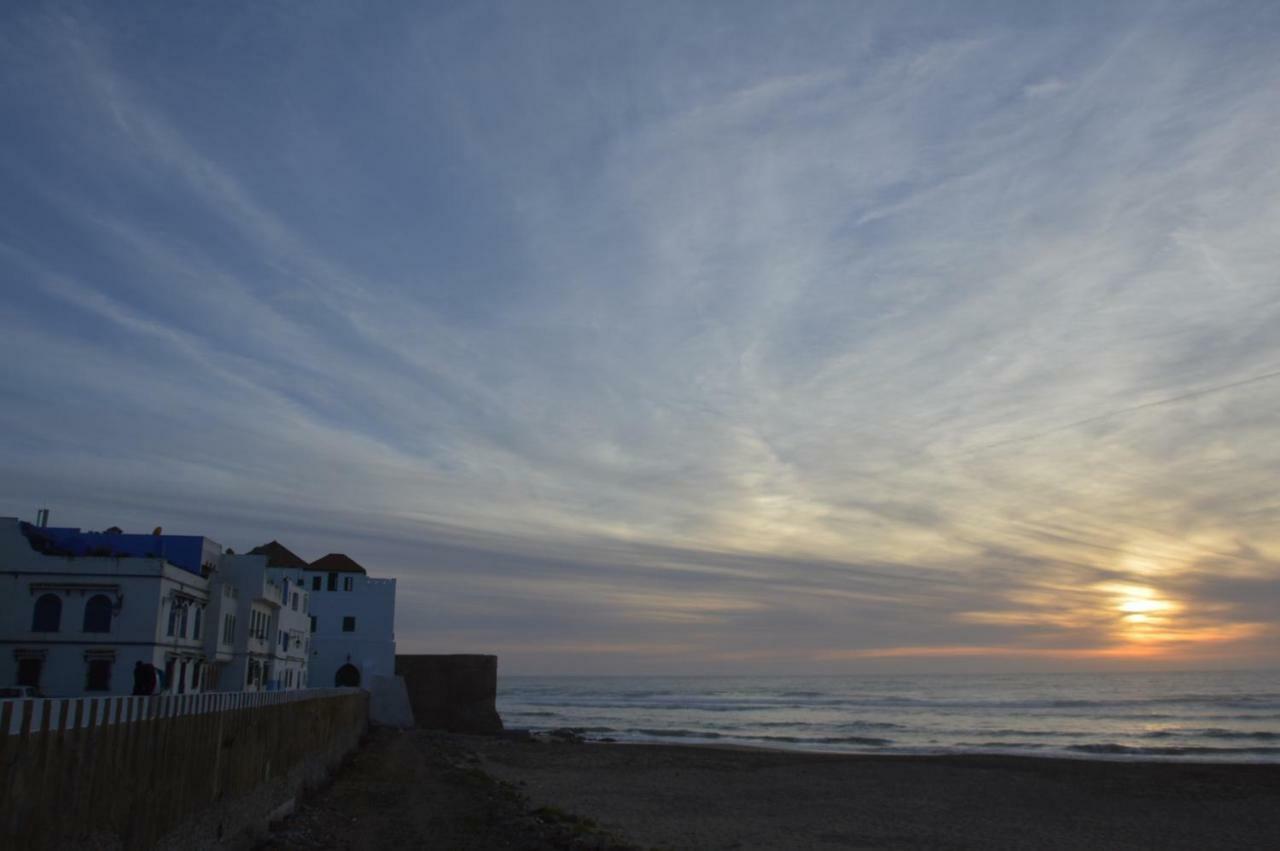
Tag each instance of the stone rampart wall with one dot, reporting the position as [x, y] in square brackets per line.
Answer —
[452, 692]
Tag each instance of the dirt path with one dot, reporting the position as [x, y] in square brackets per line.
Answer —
[424, 790]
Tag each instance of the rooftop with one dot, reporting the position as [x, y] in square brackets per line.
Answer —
[336, 563]
[184, 551]
[278, 555]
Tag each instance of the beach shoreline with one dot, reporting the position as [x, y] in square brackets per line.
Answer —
[727, 796]
[1206, 716]
[424, 789]
[944, 753]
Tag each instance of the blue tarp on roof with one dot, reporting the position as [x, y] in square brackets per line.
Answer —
[184, 551]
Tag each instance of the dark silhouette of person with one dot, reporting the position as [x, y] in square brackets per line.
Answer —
[139, 678]
[144, 678]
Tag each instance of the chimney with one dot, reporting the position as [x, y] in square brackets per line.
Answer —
[42, 517]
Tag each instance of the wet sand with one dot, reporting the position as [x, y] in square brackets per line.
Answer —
[673, 797]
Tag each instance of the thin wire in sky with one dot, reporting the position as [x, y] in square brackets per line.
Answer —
[1204, 391]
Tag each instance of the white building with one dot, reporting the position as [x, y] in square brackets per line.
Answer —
[78, 610]
[352, 616]
[263, 640]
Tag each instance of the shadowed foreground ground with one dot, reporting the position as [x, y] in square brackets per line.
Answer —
[425, 790]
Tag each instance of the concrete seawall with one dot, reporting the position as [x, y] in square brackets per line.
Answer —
[202, 771]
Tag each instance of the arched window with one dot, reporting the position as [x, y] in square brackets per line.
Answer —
[97, 614]
[47, 616]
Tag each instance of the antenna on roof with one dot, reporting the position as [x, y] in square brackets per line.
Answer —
[42, 517]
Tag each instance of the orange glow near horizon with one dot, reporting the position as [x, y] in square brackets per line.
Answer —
[1150, 642]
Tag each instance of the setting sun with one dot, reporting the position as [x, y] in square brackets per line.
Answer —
[1144, 615]
[1139, 606]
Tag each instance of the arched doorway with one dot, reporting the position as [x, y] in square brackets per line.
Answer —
[348, 676]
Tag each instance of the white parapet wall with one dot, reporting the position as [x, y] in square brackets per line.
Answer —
[22, 716]
[185, 771]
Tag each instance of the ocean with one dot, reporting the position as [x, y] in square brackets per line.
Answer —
[1219, 716]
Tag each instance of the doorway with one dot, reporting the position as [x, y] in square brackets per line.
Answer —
[348, 676]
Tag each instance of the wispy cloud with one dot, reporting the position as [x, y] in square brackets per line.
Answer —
[1045, 88]
[831, 339]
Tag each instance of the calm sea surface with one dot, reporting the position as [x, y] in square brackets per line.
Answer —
[1215, 716]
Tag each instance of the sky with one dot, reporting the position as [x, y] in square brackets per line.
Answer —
[647, 337]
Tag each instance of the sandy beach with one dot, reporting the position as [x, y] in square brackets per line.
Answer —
[704, 798]
[423, 790]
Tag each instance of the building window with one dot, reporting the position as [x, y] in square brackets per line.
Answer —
[182, 620]
[168, 675]
[315, 583]
[228, 629]
[195, 627]
[182, 677]
[97, 614]
[295, 601]
[173, 618]
[47, 616]
[333, 582]
[348, 583]
[349, 624]
[313, 623]
[99, 678]
[29, 672]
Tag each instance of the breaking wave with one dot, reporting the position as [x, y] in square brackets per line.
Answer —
[1211, 715]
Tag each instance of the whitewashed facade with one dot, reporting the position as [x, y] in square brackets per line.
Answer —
[73, 624]
[268, 627]
[79, 610]
[352, 616]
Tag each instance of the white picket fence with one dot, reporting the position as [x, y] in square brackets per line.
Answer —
[23, 716]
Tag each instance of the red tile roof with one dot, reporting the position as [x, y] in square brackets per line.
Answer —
[336, 563]
[278, 555]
